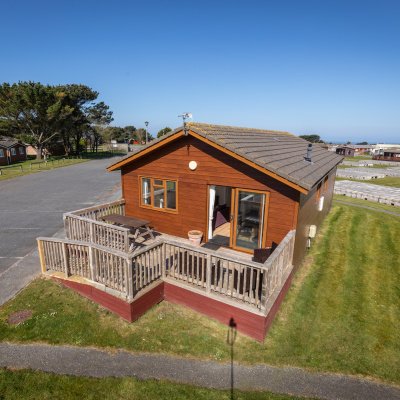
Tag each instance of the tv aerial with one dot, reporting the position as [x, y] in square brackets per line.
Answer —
[184, 116]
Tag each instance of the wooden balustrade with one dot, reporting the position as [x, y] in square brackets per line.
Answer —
[213, 273]
[95, 212]
[90, 230]
[100, 264]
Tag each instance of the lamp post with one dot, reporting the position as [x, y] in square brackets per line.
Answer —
[146, 123]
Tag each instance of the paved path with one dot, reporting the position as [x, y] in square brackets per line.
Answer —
[369, 208]
[96, 363]
[32, 206]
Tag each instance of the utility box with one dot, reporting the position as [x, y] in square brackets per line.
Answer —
[313, 231]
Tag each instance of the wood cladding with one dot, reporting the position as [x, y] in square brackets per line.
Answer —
[214, 167]
[309, 215]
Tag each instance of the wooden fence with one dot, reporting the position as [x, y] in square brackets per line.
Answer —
[116, 207]
[88, 230]
[229, 277]
[84, 225]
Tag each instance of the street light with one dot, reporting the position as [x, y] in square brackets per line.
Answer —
[146, 123]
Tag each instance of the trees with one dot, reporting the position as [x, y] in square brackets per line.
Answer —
[98, 116]
[312, 138]
[33, 111]
[164, 131]
[130, 132]
[42, 114]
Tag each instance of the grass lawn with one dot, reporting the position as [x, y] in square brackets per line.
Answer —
[26, 384]
[342, 314]
[58, 162]
[372, 204]
[391, 181]
[358, 158]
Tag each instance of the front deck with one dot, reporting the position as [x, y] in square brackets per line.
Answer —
[222, 284]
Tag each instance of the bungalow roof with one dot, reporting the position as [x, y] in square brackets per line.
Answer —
[275, 153]
[10, 143]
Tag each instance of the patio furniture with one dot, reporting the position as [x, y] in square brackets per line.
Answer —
[139, 227]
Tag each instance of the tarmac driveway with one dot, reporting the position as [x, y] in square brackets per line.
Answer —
[32, 205]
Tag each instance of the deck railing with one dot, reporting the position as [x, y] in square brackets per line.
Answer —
[232, 278]
[84, 225]
[95, 212]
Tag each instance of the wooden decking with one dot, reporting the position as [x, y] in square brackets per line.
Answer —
[97, 255]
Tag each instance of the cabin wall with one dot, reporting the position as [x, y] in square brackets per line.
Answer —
[309, 215]
[17, 156]
[214, 168]
[3, 160]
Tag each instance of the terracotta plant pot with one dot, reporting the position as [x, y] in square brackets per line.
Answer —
[195, 237]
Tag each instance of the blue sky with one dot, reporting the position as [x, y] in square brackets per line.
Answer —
[330, 68]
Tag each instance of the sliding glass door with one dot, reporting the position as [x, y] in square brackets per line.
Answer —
[249, 219]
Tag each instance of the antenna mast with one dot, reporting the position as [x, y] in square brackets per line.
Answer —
[184, 116]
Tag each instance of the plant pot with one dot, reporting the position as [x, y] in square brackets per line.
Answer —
[195, 237]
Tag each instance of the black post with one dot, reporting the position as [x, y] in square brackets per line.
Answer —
[230, 339]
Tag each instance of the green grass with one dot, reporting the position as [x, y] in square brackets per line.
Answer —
[358, 158]
[372, 204]
[58, 162]
[342, 314]
[26, 384]
[391, 181]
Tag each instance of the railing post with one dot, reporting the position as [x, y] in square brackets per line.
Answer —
[66, 260]
[129, 280]
[66, 226]
[208, 273]
[92, 265]
[163, 258]
[41, 256]
[126, 234]
[91, 232]
[264, 290]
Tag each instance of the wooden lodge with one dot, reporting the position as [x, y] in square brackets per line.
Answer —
[257, 196]
[388, 155]
[12, 151]
[345, 151]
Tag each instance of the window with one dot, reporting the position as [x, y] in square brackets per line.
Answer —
[21, 150]
[325, 184]
[318, 192]
[1, 153]
[13, 152]
[159, 194]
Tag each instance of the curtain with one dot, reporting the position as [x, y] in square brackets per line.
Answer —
[211, 211]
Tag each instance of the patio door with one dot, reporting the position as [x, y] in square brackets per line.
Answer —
[249, 219]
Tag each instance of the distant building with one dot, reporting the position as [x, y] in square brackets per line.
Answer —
[390, 154]
[12, 151]
[345, 151]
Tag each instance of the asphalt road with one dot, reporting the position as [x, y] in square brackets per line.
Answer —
[32, 205]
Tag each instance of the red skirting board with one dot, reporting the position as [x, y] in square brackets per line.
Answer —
[251, 324]
[127, 311]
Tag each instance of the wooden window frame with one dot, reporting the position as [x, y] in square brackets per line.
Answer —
[164, 186]
[13, 151]
[21, 150]
[2, 153]
[235, 197]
